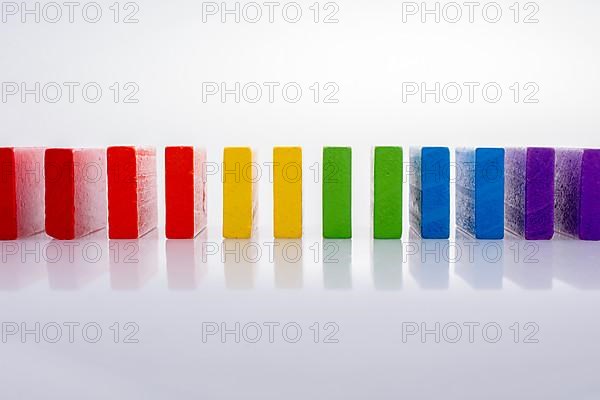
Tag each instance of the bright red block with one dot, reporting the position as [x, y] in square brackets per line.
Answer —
[75, 192]
[132, 208]
[21, 192]
[185, 191]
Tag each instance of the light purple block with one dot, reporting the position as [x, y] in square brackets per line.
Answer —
[576, 205]
[529, 192]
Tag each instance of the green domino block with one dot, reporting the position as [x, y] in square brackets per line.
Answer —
[387, 193]
[337, 192]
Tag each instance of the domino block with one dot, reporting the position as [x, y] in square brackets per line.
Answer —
[185, 191]
[132, 202]
[21, 192]
[287, 192]
[75, 192]
[577, 190]
[589, 204]
[239, 193]
[337, 192]
[529, 194]
[387, 193]
[430, 192]
[480, 192]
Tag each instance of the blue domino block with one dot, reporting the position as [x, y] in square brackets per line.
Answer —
[489, 193]
[430, 192]
[480, 192]
[465, 191]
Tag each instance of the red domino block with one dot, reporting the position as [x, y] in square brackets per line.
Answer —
[75, 192]
[132, 207]
[185, 189]
[21, 192]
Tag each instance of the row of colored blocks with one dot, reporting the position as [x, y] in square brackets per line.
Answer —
[531, 192]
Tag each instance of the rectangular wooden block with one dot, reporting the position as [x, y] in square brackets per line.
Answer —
[75, 192]
[529, 193]
[287, 192]
[337, 192]
[430, 192]
[489, 193]
[239, 194]
[539, 194]
[480, 192]
[435, 182]
[465, 190]
[577, 190]
[185, 191]
[132, 202]
[387, 193]
[21, 192]
[415, 190]
[589, 203]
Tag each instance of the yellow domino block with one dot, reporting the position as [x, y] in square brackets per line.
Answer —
[239, 194]
[287, 192]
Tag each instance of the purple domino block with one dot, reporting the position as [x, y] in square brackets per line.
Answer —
[567, 189]
[529, 196]
[576, 205]
[589, 221]
[539, 194]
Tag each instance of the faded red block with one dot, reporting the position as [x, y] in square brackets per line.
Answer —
[75, 192]
[21, 192]
[132, 207]
[185, 191]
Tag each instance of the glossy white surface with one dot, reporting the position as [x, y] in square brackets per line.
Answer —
[368, 297]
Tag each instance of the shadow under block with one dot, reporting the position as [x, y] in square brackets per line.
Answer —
[337, 192]
[185, 191]
[239, 194]
[21, 192]
[75, 192]
[529, 192]
[430, 192]
[132, 201]
[287, 192]
[480, 192]
[577, 193]
[387, 193]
